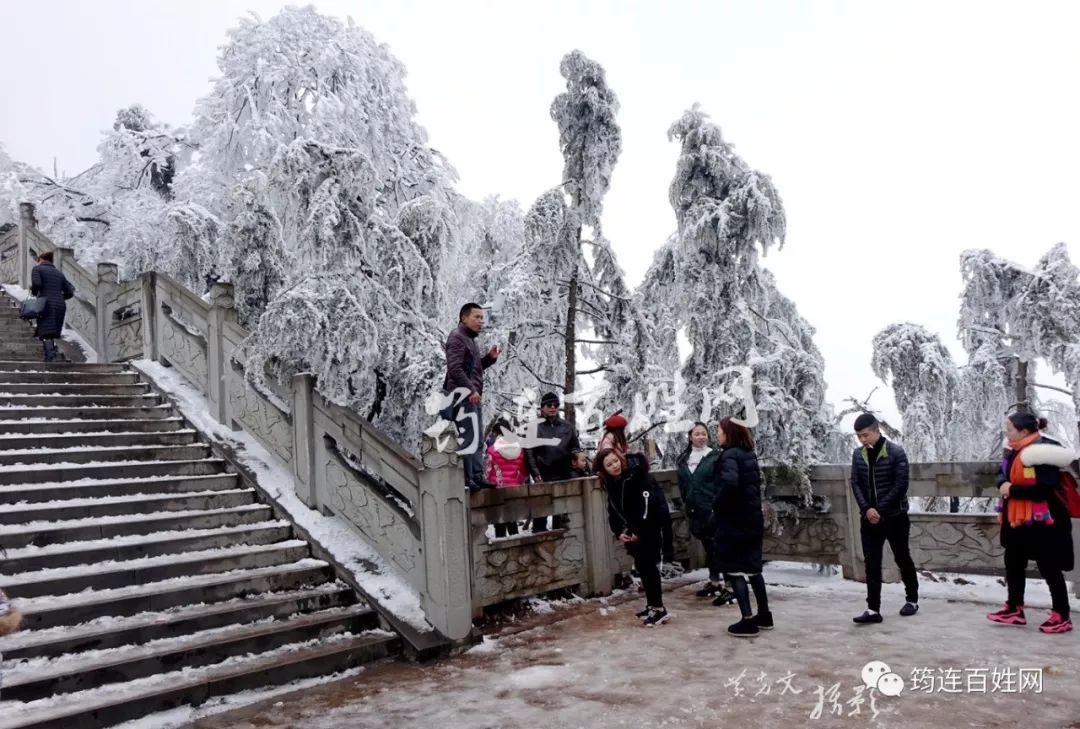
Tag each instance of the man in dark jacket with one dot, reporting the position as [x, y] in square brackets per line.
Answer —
[465, 373]
[879, 482]
[47, 281]
[551, 462]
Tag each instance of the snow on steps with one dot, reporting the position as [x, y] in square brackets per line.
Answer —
[148, 576]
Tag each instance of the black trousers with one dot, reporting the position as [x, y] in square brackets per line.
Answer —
[715, 573]
[896, 530]
[1016, 562]
[646, 554]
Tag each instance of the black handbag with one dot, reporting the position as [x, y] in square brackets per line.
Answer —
[32, 308]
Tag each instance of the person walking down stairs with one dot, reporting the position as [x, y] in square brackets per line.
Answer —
[47, 281]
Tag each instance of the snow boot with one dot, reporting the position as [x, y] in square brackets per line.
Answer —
[764, 620]
[909, 609]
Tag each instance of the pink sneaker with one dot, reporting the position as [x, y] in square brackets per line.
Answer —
[1056, 624]
[1008, 615]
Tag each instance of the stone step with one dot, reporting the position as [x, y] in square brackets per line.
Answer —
[63, 367]
[122, 549]
[145, 627]
[66, 580]
[104, 708]
[91, 490]
[147, 500]
[194, 651]
[44, 534]
[16, 349]
[72, 388]
[88, 378]
[40, 456]
[167, 422]
[70, 401]
[26, 442]
[10, 475]
[48, 613]
[81, 413]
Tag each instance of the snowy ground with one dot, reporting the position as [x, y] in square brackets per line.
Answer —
[589, 665]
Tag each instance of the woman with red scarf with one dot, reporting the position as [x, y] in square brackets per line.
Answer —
[1035, 524]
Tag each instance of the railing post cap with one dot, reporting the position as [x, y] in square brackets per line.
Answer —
[439, 453]
[109, 272]
[222, 295]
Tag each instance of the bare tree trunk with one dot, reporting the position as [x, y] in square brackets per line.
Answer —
[1021, 392]
[571, 348]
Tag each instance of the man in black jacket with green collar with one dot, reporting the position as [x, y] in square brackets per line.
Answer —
[879, 482]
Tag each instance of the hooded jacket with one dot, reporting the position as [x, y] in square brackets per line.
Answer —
[506, 466]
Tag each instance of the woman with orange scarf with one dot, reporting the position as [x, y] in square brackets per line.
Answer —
[1035, 524]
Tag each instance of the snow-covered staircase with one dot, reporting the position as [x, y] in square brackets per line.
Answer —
[149, 575]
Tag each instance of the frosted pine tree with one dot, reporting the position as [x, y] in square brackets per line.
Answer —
[710, 285]
[925, 382]
[591, 141]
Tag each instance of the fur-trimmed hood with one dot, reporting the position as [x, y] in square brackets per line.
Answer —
[1047, 454]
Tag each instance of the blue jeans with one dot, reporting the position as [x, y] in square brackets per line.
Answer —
[471, 433]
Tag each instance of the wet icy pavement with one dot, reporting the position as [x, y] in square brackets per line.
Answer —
[590, 665]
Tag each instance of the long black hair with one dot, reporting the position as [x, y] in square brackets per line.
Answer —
[689, 443]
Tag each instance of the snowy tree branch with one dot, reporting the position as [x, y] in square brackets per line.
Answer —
[597, 289]
[1052, 387]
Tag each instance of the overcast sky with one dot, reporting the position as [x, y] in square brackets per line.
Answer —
[898, 134]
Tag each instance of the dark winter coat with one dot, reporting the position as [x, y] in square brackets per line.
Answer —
[47, 281]
[698, 490]
[552, 462]
[1053, 543]
[885, 486]
[631, 511]
[464, 365]
[740, 525]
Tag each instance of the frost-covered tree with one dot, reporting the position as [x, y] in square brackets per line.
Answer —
[257, 265]
[1048, 312]
[991, 293]
[118, 209]
[708, 284]
[353, 312]
[591, 141]
[1017, 316]
[925, 382]
[302, 75]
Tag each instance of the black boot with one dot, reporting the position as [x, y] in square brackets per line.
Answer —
[745, 628]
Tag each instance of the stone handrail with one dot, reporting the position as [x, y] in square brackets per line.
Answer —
[583, 554]
[412, 513]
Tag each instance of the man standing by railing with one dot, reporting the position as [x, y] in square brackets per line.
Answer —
[879, 481]
[465, 373]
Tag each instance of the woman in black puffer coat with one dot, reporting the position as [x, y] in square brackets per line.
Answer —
[47, 281]
[740, 526]
[638, 514]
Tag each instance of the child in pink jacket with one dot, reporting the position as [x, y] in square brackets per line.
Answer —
[506, 469]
